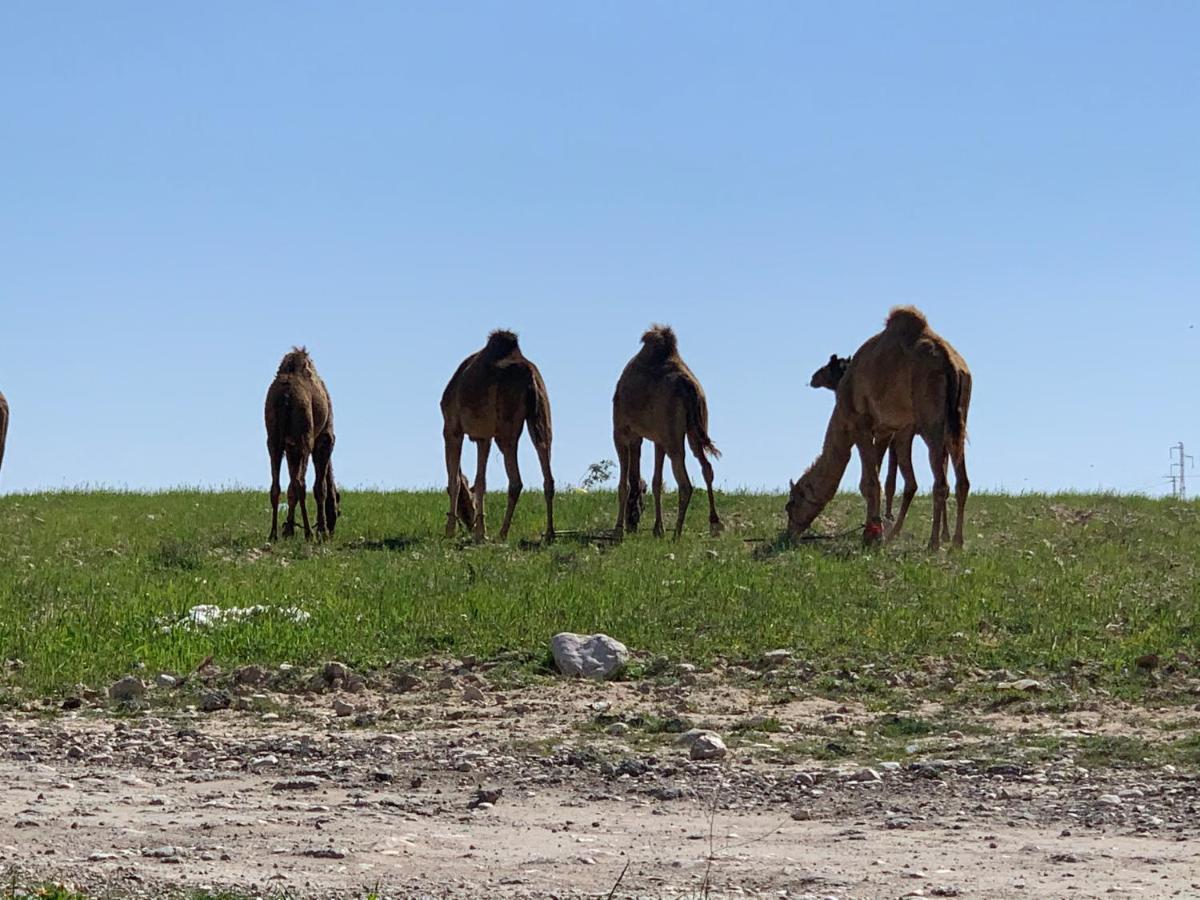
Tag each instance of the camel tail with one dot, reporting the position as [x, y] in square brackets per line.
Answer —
[537, 413]
[958, 398]
[697, 425]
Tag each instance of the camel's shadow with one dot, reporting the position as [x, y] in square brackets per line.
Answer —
[399, 542]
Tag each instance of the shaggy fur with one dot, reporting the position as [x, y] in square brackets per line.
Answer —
[658, 398]
[904, 381]
[3, 427]
[299, 419]
[493, 395]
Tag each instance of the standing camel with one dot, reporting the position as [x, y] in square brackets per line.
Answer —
[830, 376]
[904, 381]
[3, 426]
[299, 418]
[492, 395]
[658, 398]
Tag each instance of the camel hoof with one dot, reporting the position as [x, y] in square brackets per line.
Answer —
[659, 531]
[548, 537]
[289, 531]
[872, 533]
[715, 527]
[503, 535]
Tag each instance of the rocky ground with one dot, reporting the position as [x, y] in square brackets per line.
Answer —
[450, 782]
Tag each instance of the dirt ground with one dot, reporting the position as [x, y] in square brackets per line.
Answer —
[397, 792]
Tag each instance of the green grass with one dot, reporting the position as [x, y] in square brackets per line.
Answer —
[88, 579]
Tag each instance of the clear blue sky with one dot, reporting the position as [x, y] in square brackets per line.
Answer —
[188, 189]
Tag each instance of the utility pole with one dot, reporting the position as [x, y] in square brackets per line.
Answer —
[1178, 467]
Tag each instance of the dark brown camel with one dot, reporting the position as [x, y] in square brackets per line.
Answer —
[3, 427]
[907, 378]
[659, 399]
[299, 418]
[493, 394]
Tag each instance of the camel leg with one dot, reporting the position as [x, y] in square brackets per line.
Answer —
[276, 453]
[889, 487]
[297, 492]
[454, 443]
[683, 484]
[946, 512]
[633, 478]
[622, 448]
[543, 453]
[322, 451]
[868, 484]
[901, 455]
[657, 485]
[513, 470]
[941, 489]
[483, 447]
[715, 526]
[962, 487]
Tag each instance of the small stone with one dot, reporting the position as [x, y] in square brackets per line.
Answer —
[261, 762]
[708, 746]
[127, 689]
[341, 708]
[472, 694]
[335, 672]
[324, 853]
[166, 681]
[1109, 799]
[864, 776]
[211, 701]
[773, 658]
[408, 682]
[296, 784]
[618, 729]
[249, 675]
[483, 796]
[1028, 685]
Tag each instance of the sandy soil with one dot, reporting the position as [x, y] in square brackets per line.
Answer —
[306, 801]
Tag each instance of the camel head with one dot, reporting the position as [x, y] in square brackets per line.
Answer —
[634, 506]
[466, 502]
[830, 374]
[802, 507]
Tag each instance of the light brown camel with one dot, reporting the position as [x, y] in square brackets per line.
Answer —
[658, 398]
[904, 379]
[493, 394]
[830, 376]
[3, 427]
[299, 417]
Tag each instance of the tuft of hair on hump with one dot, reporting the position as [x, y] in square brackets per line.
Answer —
[501, 342]
[295, 362]
[660, 341]
[906, 321]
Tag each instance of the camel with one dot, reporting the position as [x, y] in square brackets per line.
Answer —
[493, 394]
[299, 417]
[3, 426]
[830, 376]
[906, 379]
[659, 399]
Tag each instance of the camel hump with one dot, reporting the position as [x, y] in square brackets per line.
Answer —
[906, 321]
[660, 341]
[500, 343]
[297, 362]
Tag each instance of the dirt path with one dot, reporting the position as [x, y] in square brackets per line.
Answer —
[312, 804]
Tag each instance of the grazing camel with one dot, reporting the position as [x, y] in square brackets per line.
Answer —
[906, 380]
[3, 426]
[830, 376]
[658, 398]
[299, 417]
[493, 394]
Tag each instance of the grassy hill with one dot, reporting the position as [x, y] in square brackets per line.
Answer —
[91, 584]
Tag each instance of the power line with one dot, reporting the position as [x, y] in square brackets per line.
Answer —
[1178, 469]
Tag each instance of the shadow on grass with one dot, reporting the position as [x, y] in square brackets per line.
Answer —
[399, 542]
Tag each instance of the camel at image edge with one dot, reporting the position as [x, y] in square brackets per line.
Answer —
[829, 376]
[659, 399]
[299, 419]
[906, 378]
[3, 427]
[492, 395]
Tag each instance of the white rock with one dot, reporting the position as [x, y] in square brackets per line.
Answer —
[166, 681]
[1109, 799]
[618, 729]
[128, 688]
[1021, 684]
[708, 746]
[864, 776]
[590, 655]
